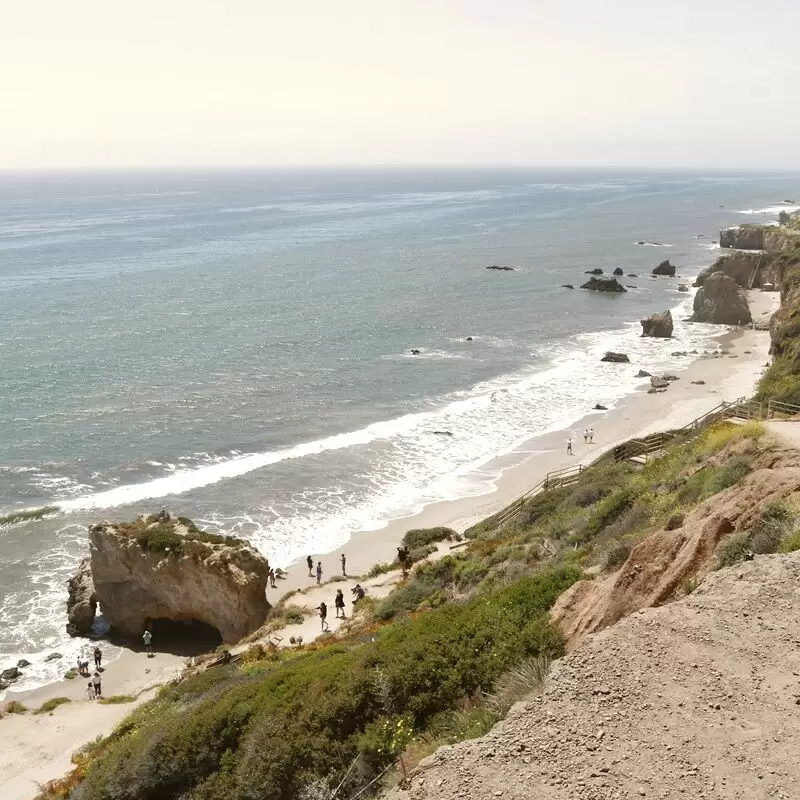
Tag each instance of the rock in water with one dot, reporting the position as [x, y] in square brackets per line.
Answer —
[616, 358]
[682, 287]
[81, 601]
[567, 286]
[595, 271]
[603, 285]
[501, 268]
[618, 271]
[154, 570]
[659, 382]
[643, 374]
[658, 325]
[665, 268]
[721, 301]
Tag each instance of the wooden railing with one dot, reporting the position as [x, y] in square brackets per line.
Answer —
[652, 446]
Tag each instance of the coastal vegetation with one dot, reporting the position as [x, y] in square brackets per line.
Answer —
[441, 658]
[15, 517]
[51, 704]
[158, 535]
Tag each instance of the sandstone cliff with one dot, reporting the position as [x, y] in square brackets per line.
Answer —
[154, 570]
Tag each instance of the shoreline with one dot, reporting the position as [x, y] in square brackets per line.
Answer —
[44, 743]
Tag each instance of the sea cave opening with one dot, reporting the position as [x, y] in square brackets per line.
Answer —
[184, 637]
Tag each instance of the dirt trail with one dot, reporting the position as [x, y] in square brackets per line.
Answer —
[700, 698]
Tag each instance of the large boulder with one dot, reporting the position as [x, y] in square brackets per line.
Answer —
[658, 325]
[81, 601]
[721, 301]
[156, 569]
[603, 285]
[665, 268]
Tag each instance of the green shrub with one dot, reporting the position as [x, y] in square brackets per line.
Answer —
[734, 549]
[770, 527]
[116, 699]
[616, 556]
[161, 539]
[522, 680]
[15, 707]
[49, 705]
[406, 597]
[381, 569]
[270, 734]
[607, 511]
[790, 542]
[421, 537]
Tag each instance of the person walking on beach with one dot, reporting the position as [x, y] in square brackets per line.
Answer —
[96, 681]
[310, 562]
[569, 446]
[319, 573]
[90, 691]
[323, 614]
[585, 435]
[271, 577]
[591, 435]
[344, 568]
[339, 603]
[147, 638]
[98, 657]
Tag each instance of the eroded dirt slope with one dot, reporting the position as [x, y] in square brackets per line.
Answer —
[699, 698]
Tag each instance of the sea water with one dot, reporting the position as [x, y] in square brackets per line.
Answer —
[237, 345]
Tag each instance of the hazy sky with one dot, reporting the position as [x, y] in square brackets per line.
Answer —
[710, 83]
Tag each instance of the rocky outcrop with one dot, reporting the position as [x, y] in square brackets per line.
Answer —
[166, 570]
[618, 271]
[656, 569]
[616, 358]
[743, 237]
[81, 601]
[658, 325]
[603, 285]
[740, 266]
[665, 268]
[501, 268]
[595, 271]
[721, 301]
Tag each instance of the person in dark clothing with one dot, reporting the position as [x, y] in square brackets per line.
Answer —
[402, 557]
[358, 593]
[310, 562]
[98, 657]
[323, 614]
[319, 572]
[339, 603]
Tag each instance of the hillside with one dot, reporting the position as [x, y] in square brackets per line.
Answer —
[695, 699]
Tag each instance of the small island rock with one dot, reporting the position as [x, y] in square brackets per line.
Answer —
[595, 284]
[616, 358]
[658, 325]
[665, 268]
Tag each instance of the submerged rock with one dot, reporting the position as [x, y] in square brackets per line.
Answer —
[501, 268]
[618, 271]
[53, 657]
[616, 358]
[159, 570]
[595, 271]
[658, 325]
[721, 301]
[682, 287]
[643, 374]
[567, 286]
[603, 285]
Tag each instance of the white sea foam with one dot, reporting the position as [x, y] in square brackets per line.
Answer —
[773, 210]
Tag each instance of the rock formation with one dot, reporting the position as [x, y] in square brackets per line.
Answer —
[616, 358]
[81, 601]
[603, 285]
[657, 325]
[721, 301]
[618, 271]
[682, 287]
[740, 266]
[595, 271]
[501, 269]
[743, 237]
[665, 268]
[169, 570]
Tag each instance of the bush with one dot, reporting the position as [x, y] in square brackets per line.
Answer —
[790, 542]
[674, 522]
[49, 705]
[406, 597]
[734, 549]
[381, 569]
[770, 527]
[272, 733]
[116, 699]
[523, 680]
[616, 556]
[161, 539]
[15, 707]
[421, 537]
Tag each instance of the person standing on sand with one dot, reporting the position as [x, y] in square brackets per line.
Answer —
[585, 435]
[90, 691]
[319, 573]
[271, 578]
[339, 603]
[344, 569]
[96, 681]
[147, 638]
[323, 614]
[569, 446]
[591, 435]
[310, 562]
[98, 656]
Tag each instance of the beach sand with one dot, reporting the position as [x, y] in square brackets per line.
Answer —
[37, 748]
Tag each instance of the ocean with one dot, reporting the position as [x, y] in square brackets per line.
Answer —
[237, 345]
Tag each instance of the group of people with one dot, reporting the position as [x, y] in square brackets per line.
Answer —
[94, 687]
[358, 593]
[588, 438]
[312, 570]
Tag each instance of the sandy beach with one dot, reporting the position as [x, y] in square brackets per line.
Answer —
[38, 747]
